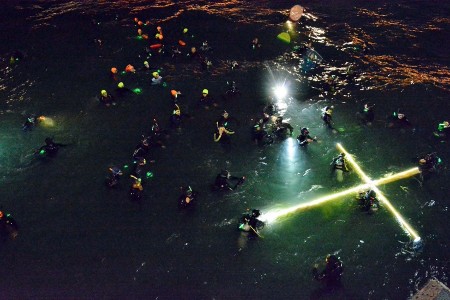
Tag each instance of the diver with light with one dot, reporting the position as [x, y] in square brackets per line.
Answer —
[187, 198]
[428, 165]
[50, 149]
[326, 116]
[250, 222]
[398, 120]
[225, 182]
[443, 130]
[367, 115]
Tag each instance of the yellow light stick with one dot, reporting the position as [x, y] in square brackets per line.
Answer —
[373, 184]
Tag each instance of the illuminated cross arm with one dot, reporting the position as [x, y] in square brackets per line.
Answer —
[380, 195]
[272, 215]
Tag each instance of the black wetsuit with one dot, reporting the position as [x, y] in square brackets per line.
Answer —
[327, 119]
[396, 122]
[50, 148]
[332, 272]
[224, 182]
[303, 139]
[283, 129]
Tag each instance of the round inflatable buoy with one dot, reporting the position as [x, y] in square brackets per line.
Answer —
[181, 43]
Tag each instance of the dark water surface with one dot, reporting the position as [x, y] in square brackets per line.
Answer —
[79, 239]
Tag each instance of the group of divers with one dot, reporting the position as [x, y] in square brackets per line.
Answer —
[265, 131]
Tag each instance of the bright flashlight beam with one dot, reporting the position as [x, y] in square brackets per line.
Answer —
[272, 215]
[380, 195]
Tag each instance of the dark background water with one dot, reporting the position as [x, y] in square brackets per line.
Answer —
[80, 240]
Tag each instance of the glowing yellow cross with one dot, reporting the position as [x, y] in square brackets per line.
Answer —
[369, 183]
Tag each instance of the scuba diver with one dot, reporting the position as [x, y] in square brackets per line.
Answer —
[332, 273]
[250, 223]
[222, 134]
[366, 116]
[282, 129]
[326, 116]
[175, 118]
[206, 64]
[206, 100]
[106, 98]
[224, 119]
[339, 166]
[142, 148]
[136, 190]
[174, 95]
[225, 182]
[368, 201]
[428, 165]
[398, 120]
[157, 79]
[50, 149]
[31, 122]
[140, 167]
[304, 138]
[259, 134]
[8, 226]
[186, 199]
[156, 135]
[255, 43]
[232, 90]
[121, 90]
[113, 178]
[205, 47]
[443, 130]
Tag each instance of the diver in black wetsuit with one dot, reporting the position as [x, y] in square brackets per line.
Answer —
[8, 226]
[113, 177]
[156, 135]
[368, 201]
[366, 116]
[443, 131]
[186, 199]
[332, 273]
[304, 138]
[31, 122]
[50, 148]
[326, 116]
[225, 182]
[282, 129]
[250, 222]
[339, 166]
[428, 165]
[136, 190]
[259, 134]
[141, 149]
[398, 120]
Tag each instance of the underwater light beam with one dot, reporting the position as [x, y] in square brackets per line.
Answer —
[380, 195]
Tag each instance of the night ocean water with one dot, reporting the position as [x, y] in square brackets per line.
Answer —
[80, 239]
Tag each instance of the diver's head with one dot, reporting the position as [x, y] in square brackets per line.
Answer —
[304, 130]
[205, 92]
[121, 85]
[146, 64]
[193, 50]
[368, 106]
[1, 214]
[174, 93]
[422, 161]
[104, 93]
[225, 114]
[279, 120]
[224, 173]
[256, 213]
[446, 124]
[400, 114]
[328, 109]
[155, 74]
[114, 70]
